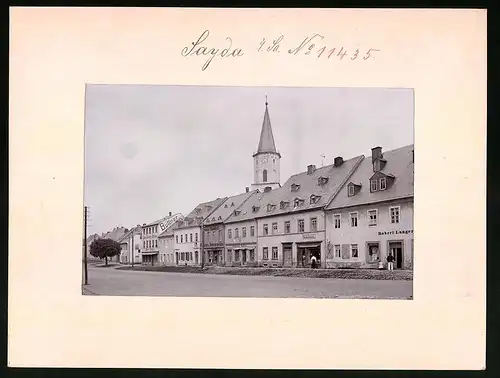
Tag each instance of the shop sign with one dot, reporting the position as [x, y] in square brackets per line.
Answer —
[309, 236]
[396, 232]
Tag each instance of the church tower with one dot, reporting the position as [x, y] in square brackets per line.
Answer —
[266, 161]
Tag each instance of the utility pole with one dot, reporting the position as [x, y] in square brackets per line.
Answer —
[202, 237]
[86, 277]
[131, 244]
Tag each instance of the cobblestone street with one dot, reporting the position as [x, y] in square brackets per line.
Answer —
[109, 281]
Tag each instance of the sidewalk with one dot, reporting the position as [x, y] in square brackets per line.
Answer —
[372, 274]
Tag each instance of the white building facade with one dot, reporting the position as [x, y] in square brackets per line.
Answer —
[372, 216]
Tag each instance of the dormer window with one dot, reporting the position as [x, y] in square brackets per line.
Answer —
[208, 207]
[236, 212]
[383, 183]
[198, 210]
[220, 218]
[271, 207]
[255, 209]
[322, 180]
[232, 204]
[295, 187]
[297, 202]
[353, 189]
[225, 205]
[213, 219]
[284, 204]
[314, 199]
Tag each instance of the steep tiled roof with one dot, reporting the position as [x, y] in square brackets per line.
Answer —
[116, 234]
[229, 206]
[199, 213]
[399, 163]
[127, 235]
[245, 210]
[266, 141]
[319, 186]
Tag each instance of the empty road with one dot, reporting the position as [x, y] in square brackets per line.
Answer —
[109, 281]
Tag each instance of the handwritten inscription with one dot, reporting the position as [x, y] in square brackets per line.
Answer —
[198, 48]
[314, 45]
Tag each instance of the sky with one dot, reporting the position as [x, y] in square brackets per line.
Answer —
[151, 150]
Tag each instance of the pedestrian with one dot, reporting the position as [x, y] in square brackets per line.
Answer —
[390, 262]
[313, 262]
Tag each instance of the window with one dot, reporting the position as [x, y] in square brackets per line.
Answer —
[236, 255]
[244, 232]
[191, 256]
[354, 219]
[394, 213]
[156, 243]
[354, 251]
[229, 234]
[265, 230]
[337, 251]
[213, 236]
[275, 228]
[383, 183]
[186, 238]
[300, 225]
[350, 190]
[372, 217]
[275, 253]
[373, 185]
[314, 225]
[336, 220]
[252, 230]
[236, 232]
[265, 253]
[181, 239]
[229, 253]
[287, 227]
[252, 255]
[220, 235]
[190, 238]
[264, 175]
[196, 237]
[373, 252]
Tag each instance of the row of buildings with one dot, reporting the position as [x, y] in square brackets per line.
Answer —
[352, 213]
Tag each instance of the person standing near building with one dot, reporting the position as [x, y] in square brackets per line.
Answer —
[390, 262]
[313, 262]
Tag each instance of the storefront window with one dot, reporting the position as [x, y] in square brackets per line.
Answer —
[373, 252]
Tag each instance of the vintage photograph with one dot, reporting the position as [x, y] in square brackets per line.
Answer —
[268, 192]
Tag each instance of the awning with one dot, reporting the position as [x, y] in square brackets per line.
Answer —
[308, 245]
[149, 253]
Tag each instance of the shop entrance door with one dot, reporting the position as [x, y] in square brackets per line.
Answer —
[396, 248]
[287, 255]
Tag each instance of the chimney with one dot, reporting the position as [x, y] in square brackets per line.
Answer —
[337, 162]
[247, 189]
[310, 169]
[169, 213]
[376, 153]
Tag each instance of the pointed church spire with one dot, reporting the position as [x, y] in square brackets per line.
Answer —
[266, 142]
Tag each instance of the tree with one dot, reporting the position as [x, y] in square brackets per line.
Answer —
[104, 248]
